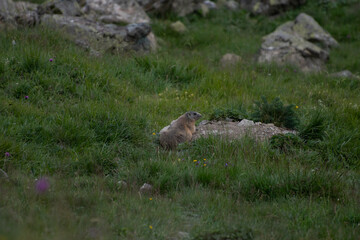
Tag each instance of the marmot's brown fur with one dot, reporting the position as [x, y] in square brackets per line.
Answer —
[180, 130]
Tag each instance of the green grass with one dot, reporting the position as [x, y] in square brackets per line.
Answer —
[89, 122]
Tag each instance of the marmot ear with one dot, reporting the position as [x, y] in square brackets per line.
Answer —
[188, 114]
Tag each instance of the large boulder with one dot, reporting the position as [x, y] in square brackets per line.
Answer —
[179, 7]
[64, 7]
[269, 7]
[301, 42]
[119, 12]
[306, 27]
[18, 13]
[100, 26]
[99, 38]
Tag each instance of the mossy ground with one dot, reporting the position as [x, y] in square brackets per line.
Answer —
[88, 123]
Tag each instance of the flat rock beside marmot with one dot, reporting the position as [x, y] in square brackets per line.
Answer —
[236, 130]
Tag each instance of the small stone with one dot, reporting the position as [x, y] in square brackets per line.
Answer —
[146, 189]
[178, 27]
[122, 184]
[203, 9]
[210, 4]
[232, 5]
[184, 235]
[229, 59]
[246, 123]
[344, 74]
[204, 122]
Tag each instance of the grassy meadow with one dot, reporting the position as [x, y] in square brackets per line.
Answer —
[85, 123]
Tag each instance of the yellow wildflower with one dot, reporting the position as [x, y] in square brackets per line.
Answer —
[150, 199]
[204, 164]
[150, 227]
[297, 107]
[195, 160]
[154, 133]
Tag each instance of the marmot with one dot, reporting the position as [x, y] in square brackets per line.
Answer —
[180, 130]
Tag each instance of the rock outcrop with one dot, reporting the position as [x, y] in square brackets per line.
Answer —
[98, 25]
[301, 42]
[63, 7]
[236, 130]
[179, 7]
[119, 12]
[18, 13]
[99, 38]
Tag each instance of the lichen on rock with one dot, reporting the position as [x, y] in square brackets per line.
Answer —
[301, 42]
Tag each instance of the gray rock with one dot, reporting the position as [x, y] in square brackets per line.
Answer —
[204, 122]
[64, 7]
[119, 12]
[178, 27]
[246, 123]
[344, 74]
[18, 13]
[236, 130]
[232, 5]
[229, 60]
[122, 184]
[203, 9]
[184, 7]
[292, 43]
[7, 11]
[210, 4]
[146, 189]
[178, 7]
[138, 30]
[98, 37]
[27, 14]
[306, 27]
[143, 3]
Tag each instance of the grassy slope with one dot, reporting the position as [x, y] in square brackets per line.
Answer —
[88, 123]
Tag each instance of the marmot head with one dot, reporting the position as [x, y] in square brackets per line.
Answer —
[193, 115]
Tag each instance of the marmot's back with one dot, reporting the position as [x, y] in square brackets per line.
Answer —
[179, 131]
